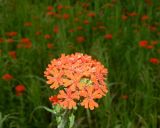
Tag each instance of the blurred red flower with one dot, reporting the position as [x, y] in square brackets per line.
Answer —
[50, 8]
[12, 54]
[1, 40]
[66, 16]
[11, 34]
[7, 77]
[47, 36]
[9, 40]
[143, 43]
[154, 60]
[108, 36]
[80, 39]
[20, 89]
[56, 29]
[91, 14]
[49, 45]
[28, 24]
[144, 17]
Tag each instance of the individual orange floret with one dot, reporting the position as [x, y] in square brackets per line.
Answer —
[89, 95]
[55, 79]
[67, 98]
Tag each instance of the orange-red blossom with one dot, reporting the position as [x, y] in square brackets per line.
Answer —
[78, 79]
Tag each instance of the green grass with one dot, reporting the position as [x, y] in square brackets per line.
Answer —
[130, 72]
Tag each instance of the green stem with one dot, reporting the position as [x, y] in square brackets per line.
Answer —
[64, 119]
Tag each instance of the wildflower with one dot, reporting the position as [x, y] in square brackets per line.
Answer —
[56, 29]
[49, 13]
[66, 16]
[108, 36]
[132, 14]
[20, 89]
[89, 95]
[55, 79]
[71, 30]
[25, 43]
[154, 60]
[38, 33]
[80, 39]
[86, 22]
[49, 45]
[47, 36]
[54, 100]
[11, 34]
[1, 40]
[78, 79]
[59, 7]
[28, 24]
[10, 40]
[91, 14]
[144, 17]
[79, 28]
[50, 8]
[149, 46]
[154, 42]
[7, 77]
[67, 98]
[124, 17]
[12, 54]
[143, 43]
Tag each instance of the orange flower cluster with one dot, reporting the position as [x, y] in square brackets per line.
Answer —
[79, 79]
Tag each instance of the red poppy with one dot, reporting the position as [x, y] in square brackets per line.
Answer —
[12, 54]
[11, 34]
[66, 16]
[47, 36]
[50, 8]
[20, 89]
[154, 60]
[49, 45]
[108, 36]
[91, 14]
[38, 33]
[28, 24]
[7, 77]
[1, 40]
[59, 7]
[143, 43]
[80, 39]
[10, 40]
[149, 46]
[124, 17]
[144, 17]
[56, 29]
[86, 22]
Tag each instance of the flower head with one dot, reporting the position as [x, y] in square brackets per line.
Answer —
[7, 77]
[78, 79]
[20, 89]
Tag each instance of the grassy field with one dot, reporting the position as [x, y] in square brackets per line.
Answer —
[124, 35]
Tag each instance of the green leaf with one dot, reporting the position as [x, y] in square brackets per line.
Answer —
[71, 120]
